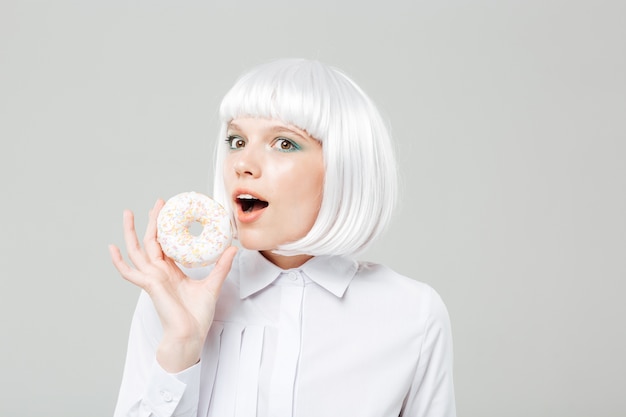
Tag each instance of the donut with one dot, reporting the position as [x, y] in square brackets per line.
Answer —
[175, 238]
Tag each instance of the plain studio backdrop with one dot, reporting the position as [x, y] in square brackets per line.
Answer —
[509, 118]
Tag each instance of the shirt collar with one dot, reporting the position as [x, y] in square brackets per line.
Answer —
[332, 273]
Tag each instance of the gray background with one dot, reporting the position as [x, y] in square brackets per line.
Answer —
[510, 123]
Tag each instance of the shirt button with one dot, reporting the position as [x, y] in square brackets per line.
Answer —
[166, 396]
[293, 276]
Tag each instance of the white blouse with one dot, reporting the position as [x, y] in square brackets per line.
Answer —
[331, 338]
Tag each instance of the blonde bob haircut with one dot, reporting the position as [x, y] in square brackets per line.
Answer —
[360, 183]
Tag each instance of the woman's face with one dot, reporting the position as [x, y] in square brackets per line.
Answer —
[274, 176]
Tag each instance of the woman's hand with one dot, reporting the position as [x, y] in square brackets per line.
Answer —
[185, 306]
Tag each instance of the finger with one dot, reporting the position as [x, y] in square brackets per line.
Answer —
[135, 253]
[218, 275]
[122, 267]
[150, 242]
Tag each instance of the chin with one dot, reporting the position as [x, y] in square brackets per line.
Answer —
[259, 241]
[250, 241]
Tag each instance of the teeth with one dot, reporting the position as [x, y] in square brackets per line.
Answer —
[246, 197]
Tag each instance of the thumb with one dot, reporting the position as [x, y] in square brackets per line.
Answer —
[218, 275]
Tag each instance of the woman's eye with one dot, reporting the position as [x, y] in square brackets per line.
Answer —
[286, 145]
[235, 142]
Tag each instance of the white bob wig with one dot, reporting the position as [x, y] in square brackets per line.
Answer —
[360, 184]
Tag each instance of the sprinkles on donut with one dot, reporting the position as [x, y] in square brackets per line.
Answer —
[177, 241]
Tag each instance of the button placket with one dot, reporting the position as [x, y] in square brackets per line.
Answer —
[288, 347]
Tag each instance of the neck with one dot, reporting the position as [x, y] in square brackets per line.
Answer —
[286, 262]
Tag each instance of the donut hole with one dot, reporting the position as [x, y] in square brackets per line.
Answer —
[195, 228]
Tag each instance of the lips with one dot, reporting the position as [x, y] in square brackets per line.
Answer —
[249, 206]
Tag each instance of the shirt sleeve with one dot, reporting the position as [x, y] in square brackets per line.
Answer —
[432, 390]
[147, 389]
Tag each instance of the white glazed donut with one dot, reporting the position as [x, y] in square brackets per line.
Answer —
[177, 242]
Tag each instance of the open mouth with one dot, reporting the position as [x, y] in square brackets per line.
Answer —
[248, 203]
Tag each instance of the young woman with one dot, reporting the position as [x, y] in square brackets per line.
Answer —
[291, 324]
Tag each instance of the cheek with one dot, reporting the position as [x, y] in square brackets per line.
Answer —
[308, 187]
[227, 171]
[284, 178]
[298, 182]
[317, 176]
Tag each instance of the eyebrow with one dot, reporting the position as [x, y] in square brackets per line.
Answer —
[275, 130]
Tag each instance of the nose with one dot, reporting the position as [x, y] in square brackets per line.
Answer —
[246, 163]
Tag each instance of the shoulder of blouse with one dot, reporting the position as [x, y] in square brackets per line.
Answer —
[404, 295]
